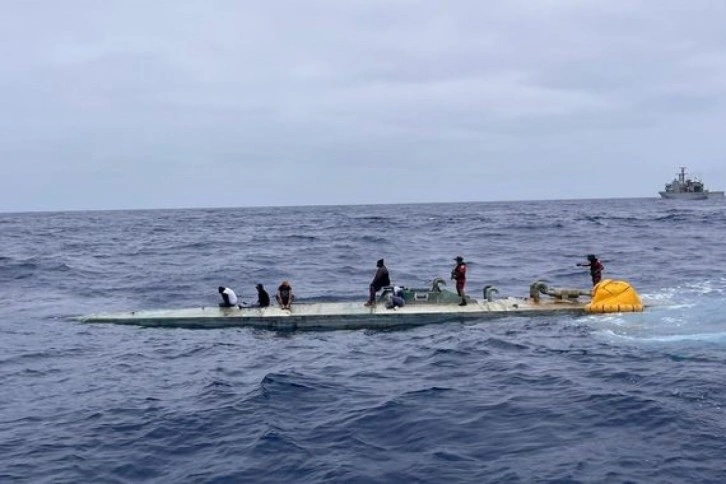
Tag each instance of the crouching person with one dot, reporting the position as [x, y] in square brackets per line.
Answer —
[395, 299]
[229, 298]
[284, 295]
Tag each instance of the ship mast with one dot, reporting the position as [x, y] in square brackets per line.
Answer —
[682, 175]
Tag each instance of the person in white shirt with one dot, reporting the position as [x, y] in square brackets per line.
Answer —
[229, 298]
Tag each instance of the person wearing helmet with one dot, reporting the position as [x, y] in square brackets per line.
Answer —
[595, 266]
[229, 298]
[459, 275]
[284, 295]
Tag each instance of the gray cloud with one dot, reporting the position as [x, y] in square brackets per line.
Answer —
[174, 104]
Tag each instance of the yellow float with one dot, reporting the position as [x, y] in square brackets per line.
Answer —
[610, 296]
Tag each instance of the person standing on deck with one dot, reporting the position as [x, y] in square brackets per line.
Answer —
[380, 280]
[459, 275]
[596, 268]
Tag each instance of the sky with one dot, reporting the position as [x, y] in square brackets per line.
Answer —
[125, 104]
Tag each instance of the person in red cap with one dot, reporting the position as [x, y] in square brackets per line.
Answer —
[459, 275]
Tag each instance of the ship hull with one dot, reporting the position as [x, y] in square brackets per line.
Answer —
[691, 195]
[332, 316]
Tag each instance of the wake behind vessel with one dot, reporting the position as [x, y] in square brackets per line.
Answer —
[685, 188]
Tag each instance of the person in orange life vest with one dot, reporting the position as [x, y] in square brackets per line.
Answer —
[459, 274]
[596, 268]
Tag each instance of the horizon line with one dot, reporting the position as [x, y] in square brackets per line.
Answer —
[81, 210]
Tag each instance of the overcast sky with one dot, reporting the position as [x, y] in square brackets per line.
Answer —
[158, 104]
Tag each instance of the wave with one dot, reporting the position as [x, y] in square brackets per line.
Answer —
[372, 218]
[279, 238]
[373, 239]
[14, 269]
[502, 344]
[719, 338]
[281, 385]
[701, 218]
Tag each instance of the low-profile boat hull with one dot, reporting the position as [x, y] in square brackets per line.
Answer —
[422, 306]
[332, 316]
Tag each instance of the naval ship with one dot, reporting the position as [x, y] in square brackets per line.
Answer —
[686, 188]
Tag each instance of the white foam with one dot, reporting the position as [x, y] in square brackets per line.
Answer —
[709, 337]
[692, 288]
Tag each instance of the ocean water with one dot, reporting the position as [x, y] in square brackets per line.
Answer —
[609, 398]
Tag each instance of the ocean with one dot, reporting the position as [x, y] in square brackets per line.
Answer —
[601, 398]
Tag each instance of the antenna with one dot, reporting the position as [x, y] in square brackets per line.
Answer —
[682, 175]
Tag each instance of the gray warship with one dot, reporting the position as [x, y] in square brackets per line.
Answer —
[686, 188]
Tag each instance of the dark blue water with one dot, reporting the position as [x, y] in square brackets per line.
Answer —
[614, 398]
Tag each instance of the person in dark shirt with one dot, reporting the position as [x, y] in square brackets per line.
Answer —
[284, 295]
[459, 275]
[596, 268]
[380, 280]
[263, 299]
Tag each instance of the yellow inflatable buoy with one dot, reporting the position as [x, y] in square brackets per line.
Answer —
[610, 296]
